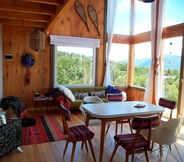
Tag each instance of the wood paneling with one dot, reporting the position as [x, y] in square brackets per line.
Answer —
[16, 42]
[135, 94]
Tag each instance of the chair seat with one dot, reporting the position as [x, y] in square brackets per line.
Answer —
[125, 140]
[81, 132]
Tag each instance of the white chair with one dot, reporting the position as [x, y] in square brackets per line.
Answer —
[93, 121]
[166, 134]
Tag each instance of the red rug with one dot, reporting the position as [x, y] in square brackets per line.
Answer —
[46, 129]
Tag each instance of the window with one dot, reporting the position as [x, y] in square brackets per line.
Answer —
[118, 63]
[122, 19]
[173, 12]
[74, 61]
[142, 63]
[142, 17]
[172, 61]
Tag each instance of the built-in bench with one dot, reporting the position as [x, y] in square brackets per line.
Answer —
[80, 92]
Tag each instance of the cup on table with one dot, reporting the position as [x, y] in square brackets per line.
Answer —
[37, 95]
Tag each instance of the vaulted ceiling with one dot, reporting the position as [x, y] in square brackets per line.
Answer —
[39, 14]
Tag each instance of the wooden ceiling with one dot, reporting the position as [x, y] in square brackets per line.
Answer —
[32, 14]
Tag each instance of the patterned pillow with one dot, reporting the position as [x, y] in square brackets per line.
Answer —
[80, 95]
[100, 94]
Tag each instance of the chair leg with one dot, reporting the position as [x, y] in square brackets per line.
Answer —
[130, 126]
[66, 145]
[121, 128]
[116, 129]
[127, 155]
[146, 154]
[113, 153]
[73, 151]
[92, 151]
[107, 129]
[178, 152]
[86, 146]
[161, 151]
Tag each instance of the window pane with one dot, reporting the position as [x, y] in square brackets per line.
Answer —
[142, 17]
[118, 63]
[174, 12]
[122, 21]
[74, 66]
[142, 63]
[172, 61]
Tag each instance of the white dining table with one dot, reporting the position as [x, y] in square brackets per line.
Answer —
[113, 111]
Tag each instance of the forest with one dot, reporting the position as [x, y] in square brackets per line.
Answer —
[78, 69]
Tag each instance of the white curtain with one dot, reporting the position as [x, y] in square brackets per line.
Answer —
[153, 84]
[111, 10]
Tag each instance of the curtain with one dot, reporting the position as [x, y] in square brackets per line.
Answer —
[111, 10]
[74, 41]
[153, 88]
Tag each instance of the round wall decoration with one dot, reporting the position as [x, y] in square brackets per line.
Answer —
[27, 60]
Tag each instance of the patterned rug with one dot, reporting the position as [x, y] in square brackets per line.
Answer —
[46, 129]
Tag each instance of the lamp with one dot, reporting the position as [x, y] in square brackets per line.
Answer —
[147, 1]
[37, 40]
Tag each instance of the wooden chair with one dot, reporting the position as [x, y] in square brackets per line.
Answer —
[167, 104]
[119, 98]
[76, 133]
[135, 143]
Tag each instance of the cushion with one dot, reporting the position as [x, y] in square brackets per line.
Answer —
[80, 95]
[67, 92]
[100, 94]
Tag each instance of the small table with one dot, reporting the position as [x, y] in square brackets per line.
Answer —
[43, 100]
[114, 111]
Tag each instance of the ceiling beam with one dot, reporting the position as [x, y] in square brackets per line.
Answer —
[50, 2]
[24, 16]
[23, 23]
[27, 7]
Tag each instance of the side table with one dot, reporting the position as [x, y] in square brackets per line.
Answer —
[10, 136]
[43, 100]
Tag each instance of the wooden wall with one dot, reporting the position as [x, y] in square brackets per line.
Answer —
[16, 42]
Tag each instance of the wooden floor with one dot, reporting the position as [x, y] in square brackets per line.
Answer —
[52, 152]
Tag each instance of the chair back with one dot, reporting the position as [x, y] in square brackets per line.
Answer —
[168, 132]
[114, 97]
[66, 116]
[144, 123]
[169, 104]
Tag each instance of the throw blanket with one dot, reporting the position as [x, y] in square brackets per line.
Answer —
[113, 90]
[16, 104]
[62, 99]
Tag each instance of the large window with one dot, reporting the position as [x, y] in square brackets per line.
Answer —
[174, 12]
[172, 60]
[118, 63]
[122, 19]
[74, 60]
[142, 17]
[142, 63]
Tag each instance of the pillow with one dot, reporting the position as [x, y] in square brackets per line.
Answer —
[68, 93]
[80, 95]
[100, 94]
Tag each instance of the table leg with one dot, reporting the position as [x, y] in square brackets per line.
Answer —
[102, 139]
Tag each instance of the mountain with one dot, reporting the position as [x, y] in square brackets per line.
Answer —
[170, 62]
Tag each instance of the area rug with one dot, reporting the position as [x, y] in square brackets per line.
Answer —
[46, 129]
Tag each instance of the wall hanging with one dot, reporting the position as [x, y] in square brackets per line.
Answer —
[27, 61]
[93, 15]
[81, 12]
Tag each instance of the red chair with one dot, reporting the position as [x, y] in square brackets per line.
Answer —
[76, 133]
[135, 143]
